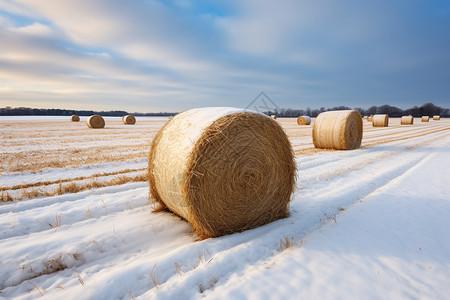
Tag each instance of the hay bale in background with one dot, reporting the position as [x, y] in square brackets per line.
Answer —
[380, 121]
[425, 118]
[75, 118]
[407, 120]
[303, 120]
[436, 118]
[340, 130]
[222, 169]
[95, 121]
[370, 118]
[274, 117]
[129, 120]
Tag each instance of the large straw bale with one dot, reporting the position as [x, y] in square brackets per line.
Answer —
[380, 120]
[303, 120]
[95, 121]
[222, 169]
[340, 130]
[129, 120]
[407, 120]
[436, 118]
[75, 118]
[370, 118]
[425, 118]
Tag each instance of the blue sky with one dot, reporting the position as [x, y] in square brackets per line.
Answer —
[150, 56]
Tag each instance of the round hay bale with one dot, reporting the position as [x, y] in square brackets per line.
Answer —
[129, 120]
[75, 118]
[222, 169]
[95, 121]
[380, 121]
[425, 118]
[370, 118]
[340, 130]
[437, 118]
[407, 120]
[274, 117]
[304, 120]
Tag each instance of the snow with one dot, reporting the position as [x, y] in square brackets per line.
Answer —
[369, 223]
[204, 117]
[66, 118]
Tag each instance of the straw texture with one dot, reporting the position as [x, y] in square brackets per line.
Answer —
[303, 120]
[95, 121]
[129, 120]
[75, 118]
[425, 118]
[436, 118]
[380, 121]
[340, 130]
[407, 120]
[233, 172]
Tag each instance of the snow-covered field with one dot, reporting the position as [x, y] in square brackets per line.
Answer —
[372, 223]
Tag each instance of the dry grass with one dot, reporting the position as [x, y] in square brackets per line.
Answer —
[72, 187]
[155, 276]
[56, 221]
[5, 196]
[36, 161]
[287, 242]
[67, 188]
[70, 144]
[41, 291]
[80, 279]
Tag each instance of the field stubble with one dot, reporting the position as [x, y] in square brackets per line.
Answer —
[41, 147]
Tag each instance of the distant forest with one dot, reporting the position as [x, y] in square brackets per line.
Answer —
[428, 109]
[27, 111]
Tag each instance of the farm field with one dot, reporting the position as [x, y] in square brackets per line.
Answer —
[75, 219]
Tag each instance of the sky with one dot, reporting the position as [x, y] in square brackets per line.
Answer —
[151, 56]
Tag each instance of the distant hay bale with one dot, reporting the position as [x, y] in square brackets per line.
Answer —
[224, 170]
[436, 118]
[303, 120]
[75, 118]
[370, 118]
[274, 117]
[95, 121]
[425, 118]
[340, 130]
[129, 120]
[380, 121]
[407, 120]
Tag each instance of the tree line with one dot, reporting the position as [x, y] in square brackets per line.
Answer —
[428, 109]
[27, 111]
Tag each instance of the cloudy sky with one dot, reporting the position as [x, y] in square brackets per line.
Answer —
[151, 56]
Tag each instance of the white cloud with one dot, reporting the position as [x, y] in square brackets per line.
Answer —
[181, 55]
